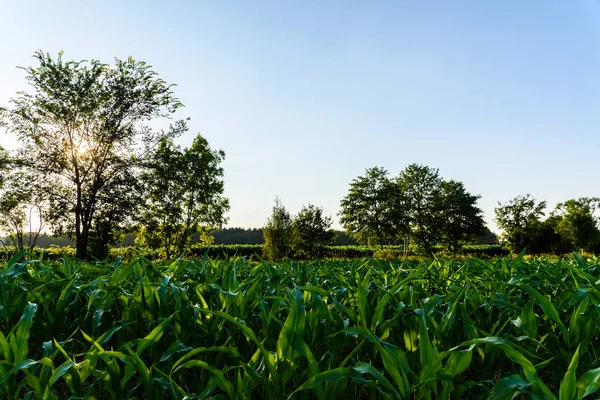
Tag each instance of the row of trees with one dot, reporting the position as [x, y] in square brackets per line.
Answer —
[300, 235]
[91, 168]
[417, 207]
[571, 226]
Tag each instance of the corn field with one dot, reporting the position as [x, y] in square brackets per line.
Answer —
[235, 329]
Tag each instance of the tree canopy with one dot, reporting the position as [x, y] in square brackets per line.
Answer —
[183, 194]
[577, 223]
[83, 129]
[367, 210]
[520, 219]
[311, 230]
[278, 233]
[418, 207]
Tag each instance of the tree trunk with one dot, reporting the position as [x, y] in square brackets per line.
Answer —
[81, 244]
[81, 247]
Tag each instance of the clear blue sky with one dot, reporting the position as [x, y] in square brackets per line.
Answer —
[303, 96]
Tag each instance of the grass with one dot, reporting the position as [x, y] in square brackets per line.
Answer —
[234, 329]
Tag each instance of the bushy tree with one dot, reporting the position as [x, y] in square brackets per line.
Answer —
[520, 220]
[80, 128]
[368, 211]
[311, 230]
[278, 233]
[461, 220]
[576, 223]
[418, 207]
[420, 190]
[545, 237]
[184, 194]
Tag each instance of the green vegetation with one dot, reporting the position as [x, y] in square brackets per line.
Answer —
[334, 322]
[96, 168]
[418, 208]
[256, 251]
[184, 194]
[327, 330]
[571, 226]
[278, 233]
[311, 231]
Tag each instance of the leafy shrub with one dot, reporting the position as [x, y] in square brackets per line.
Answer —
[385, 255]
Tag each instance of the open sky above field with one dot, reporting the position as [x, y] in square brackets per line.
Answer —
[303, 96]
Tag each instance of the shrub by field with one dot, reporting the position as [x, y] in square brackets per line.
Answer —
[254, 251]
[234, 329]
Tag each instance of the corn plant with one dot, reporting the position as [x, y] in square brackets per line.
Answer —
[329, 329]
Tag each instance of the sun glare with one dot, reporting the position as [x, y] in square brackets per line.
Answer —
[82, 149]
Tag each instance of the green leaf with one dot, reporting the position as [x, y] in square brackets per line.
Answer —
[223, 383]
[293, 326]
[175, 348]
[588, 383]
[23, 332]
[458, 362]
[546, 305]
[154, 336]
[568, 387]
[428, 353]
[219, 349]
[22, 365]
[60, 371]
[333, 375]
[509, 388]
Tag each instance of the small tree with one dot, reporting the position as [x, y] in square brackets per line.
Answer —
[278, 233]
[520, 220]
[311, 231]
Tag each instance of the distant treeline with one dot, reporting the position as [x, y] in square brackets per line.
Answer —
[255, 251]
[223, 236]
[255, 236]
[44, 241]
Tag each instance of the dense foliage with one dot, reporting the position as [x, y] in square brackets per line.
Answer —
[326, 330]
[417, 207]
[80, 126]
[311, 231]
[255, 251]
[278, 233]
[90, 166]
[184, 195]
[571, 226]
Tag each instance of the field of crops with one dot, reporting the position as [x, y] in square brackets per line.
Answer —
[308, 330]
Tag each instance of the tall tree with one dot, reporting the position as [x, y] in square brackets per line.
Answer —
[80, 128]
[420, 188]
[520, 220]
[163, 184]
[184, 194]
[578, 224]
[460, 218]
[278, 233]
[368, 212]
[311, 231]
[204, 205]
